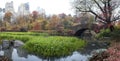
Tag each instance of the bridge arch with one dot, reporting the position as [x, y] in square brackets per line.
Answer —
[80, 32]
[85, 33]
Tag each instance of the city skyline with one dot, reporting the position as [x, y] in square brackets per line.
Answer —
[51, 7]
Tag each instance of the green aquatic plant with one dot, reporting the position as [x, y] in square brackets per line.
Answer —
[54, 46]
[45, 45]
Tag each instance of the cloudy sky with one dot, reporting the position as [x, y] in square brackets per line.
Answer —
[50, 6]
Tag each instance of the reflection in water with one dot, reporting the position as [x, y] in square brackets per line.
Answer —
[21, 52]
[18, 54]
[16, 57]
[8, 53]
[76, 57]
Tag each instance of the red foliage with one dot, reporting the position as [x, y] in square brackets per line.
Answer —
[113, 54]
[34, 14]
[37, 26]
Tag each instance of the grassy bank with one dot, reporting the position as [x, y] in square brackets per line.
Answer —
[45, 45]
[23, 36]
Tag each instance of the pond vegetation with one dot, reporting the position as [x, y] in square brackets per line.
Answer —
[45, 45]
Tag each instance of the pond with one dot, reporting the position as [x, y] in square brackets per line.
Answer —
[18, 54]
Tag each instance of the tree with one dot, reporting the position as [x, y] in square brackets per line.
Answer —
[7, 16]
[105, 11]
[1, 22]
[53, 22]
[35, 15]
[7, 19]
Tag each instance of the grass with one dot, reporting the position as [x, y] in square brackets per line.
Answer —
[23, 36]
[44, 45]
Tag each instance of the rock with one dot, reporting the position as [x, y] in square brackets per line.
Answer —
[18, 43]
[93, 44]
[1, 53]
[99, 56]
[98, 51]
[5, 44]
[4, 58]
[12, 42]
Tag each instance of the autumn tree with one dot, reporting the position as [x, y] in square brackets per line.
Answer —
[53, 22]
[7, 19]
[67, 21]
[35, 15]
[7, 16]
[22, 22]
[105, 11]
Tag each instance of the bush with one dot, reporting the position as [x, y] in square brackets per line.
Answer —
[104, 33]
[111, 54]
[107, 33]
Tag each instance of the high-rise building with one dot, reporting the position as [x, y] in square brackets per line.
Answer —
[41, 11]
[23, 9]
[9, 7]
[2, 12]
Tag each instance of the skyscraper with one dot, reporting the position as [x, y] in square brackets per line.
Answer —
[1, 14]
[41, 11]
[23, 9]
[9, 7]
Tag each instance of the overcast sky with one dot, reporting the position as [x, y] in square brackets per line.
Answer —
[50, 6]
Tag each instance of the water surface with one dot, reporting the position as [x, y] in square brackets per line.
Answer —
[18, 54]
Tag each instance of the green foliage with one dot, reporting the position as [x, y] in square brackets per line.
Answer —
[104, 33]
[23, 36]
[116, 35]
[107, 33]
[44, 45]
[54, 45]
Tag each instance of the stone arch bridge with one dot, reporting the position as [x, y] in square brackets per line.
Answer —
[83, 30]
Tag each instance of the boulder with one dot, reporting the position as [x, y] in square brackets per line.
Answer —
[18, 43]
[5, 44]
[4, 58]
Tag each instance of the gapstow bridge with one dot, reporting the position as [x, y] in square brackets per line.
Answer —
[84, 31]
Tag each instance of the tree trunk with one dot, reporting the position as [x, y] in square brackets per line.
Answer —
[110, 26]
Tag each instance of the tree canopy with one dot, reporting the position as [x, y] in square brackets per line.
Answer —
[105, 11]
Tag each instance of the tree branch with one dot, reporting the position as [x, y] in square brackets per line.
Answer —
[116, 18]
[99, 6]
[82, 10]
[97, 15]
[109, 10]
[106, 11]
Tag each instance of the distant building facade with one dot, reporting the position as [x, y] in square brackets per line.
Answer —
[9, 7]
[41, 12]
[1, 14]
[24, 9]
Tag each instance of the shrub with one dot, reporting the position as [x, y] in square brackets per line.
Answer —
[104, 33]
[107, 33]
[111, 54]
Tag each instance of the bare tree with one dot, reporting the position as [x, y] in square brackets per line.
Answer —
[106, 11]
